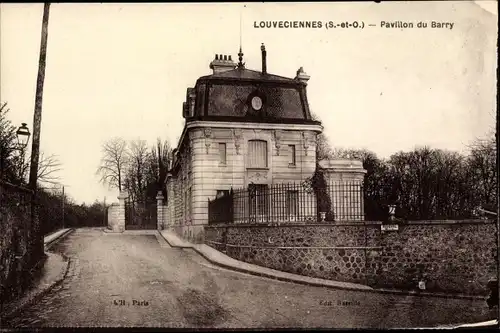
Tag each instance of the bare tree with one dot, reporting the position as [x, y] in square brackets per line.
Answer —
[7, 140]
[162, 159]
[138, 155]
[482, 170]
[47, 169]
[113, 163]
[147, 169]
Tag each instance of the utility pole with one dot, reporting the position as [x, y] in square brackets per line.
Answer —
[37, 122]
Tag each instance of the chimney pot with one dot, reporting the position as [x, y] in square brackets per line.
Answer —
[302, 75]
[222, 63]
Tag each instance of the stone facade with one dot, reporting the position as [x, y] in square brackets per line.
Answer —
[243, 127]
[450, 256]
[202, 173]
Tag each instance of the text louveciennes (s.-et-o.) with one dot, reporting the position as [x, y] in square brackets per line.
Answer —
[356, 24]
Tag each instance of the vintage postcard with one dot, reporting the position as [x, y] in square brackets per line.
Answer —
[249, 165]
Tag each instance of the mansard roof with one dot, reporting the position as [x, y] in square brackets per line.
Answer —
[250, 75]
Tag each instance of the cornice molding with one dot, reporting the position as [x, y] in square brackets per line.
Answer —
[209, 125]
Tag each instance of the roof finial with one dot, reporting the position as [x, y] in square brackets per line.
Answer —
[241, 64]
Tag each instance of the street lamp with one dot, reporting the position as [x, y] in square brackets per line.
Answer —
[23, 136]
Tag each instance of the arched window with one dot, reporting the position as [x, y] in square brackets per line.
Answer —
[257, 154]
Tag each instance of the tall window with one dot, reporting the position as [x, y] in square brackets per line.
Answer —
[292, 204]
[257, 154]
[292, 155]
[259, 202]
[222, 153]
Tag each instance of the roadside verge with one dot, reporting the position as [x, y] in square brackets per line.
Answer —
[52, 274]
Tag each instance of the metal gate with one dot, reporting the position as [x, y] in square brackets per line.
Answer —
[140, 216]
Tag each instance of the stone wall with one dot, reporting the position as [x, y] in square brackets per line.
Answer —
[450, 256]
[18, 260]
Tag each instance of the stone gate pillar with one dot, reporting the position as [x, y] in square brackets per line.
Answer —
[120, 225]
[159, 210]
[345, 178]
[113, 218]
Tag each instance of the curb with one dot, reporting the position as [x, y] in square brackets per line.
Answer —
[317, 284]
[36, 296]
[48, 245]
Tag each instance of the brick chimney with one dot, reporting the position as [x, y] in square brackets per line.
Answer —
[264, 60]
[302, 76]
[222, 63]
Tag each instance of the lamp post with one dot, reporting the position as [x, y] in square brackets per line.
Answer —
[23, 136]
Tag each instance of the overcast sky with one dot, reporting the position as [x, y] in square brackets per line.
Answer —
[123, 69]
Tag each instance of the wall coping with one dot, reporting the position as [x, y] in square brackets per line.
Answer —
[350, 224]
[299, 247]
[438, 222]
[293, 225]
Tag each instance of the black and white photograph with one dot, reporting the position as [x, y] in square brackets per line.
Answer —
[249, 165]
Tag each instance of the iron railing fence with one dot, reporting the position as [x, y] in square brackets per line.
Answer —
[289, 203]
[139, 215]
[338, 201]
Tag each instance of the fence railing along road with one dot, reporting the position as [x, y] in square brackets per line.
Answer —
[289, 203]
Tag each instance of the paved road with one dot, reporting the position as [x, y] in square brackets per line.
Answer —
[129, 280]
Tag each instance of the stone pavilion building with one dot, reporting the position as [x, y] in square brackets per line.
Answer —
[243, 128]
